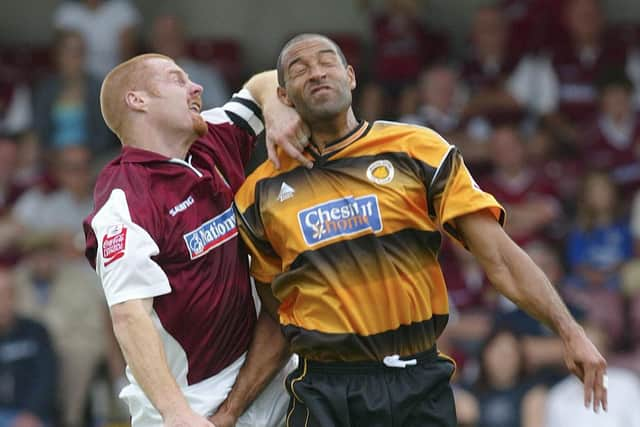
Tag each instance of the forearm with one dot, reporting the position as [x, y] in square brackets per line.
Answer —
[520, 280]
[266, 356]
[144, 353]
[514, 274]
[263, 88]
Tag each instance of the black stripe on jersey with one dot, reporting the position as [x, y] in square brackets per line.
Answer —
[240, 122]
[422, 171]
[405, 340]
[250, 105]
[251, 220]
[400, 245]
[439, 180]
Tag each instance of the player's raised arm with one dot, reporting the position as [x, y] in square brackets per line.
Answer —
[283, 124]
[516, 276]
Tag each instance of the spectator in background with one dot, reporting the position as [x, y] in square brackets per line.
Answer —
[613, 143]
[489, 69]
[635, 223]
[538, 23]
[58, 214]
[568, 79]
[529, 199]
[556, 165]
[16, 114]
[441, 102]
[27, 365]
[67, 102]
[599, 244]
[107, 26]
[10, 191]
[65, 295]
[167, 38]
[600, 241]
[565, 407]
[630, 357]
[372, 102]
[505, 397]
[402, 45]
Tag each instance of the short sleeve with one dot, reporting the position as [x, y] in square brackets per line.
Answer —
[122, 253]
[266, 264]
[238, 123]
[453, 192]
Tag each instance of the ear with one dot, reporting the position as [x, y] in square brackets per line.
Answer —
[135, 100]
[282, 96]
[351, 74]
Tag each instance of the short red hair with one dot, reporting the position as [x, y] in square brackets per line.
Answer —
[134, 74]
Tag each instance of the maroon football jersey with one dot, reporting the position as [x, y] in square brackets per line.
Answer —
[164, 229]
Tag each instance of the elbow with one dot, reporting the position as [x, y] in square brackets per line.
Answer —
[502, 277]
[123, 315]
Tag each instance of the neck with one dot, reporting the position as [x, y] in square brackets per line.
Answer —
[161, 141]
[325, 132]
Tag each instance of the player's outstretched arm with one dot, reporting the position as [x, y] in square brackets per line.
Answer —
[144, 353]
[516, 276]
[283, 124]
[267, 354]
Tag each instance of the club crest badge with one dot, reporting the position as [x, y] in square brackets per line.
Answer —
[381, 172]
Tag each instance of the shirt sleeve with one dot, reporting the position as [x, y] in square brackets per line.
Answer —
[123, 254]
[238, 123]
[452, 192]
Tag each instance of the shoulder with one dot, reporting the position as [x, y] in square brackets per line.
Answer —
[246, 195]
[409, 132]
[122, 188]
[421, 143]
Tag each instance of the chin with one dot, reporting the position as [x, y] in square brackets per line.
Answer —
[199, 126]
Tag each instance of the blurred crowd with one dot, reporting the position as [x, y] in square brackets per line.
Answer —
[543, 102]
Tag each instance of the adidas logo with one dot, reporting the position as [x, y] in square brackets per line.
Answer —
[286, 192]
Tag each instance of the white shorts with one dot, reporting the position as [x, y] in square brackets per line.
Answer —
[268, 410]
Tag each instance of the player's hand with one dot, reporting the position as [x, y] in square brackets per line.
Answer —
[223, 420]
[285, 128]
[586, 362]
[186, 419]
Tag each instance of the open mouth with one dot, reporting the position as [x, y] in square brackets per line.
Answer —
[195, 107]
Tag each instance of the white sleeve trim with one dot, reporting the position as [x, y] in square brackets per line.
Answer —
[241, 109]
[124, 266]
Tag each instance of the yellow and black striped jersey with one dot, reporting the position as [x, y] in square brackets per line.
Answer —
[350, 246]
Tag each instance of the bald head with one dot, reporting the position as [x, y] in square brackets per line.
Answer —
[297, 39]
[135, 74]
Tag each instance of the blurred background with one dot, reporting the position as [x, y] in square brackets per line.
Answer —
[541, 96]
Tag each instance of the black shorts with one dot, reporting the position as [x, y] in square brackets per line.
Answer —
[371, 394]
